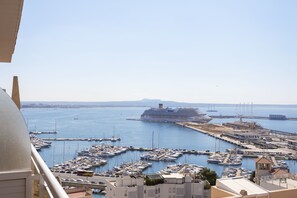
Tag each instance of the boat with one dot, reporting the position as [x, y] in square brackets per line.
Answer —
[215, 159]
[162, 114]
[145, 156]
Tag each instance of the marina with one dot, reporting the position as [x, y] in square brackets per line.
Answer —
[103, 150]
[161, 155]
[181, 168]
[127, 168]
[79, 163]
[236, 172]
[39, 143]
[180, 138]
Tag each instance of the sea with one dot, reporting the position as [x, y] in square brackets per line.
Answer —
[105, 122]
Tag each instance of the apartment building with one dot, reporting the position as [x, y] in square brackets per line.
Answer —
[269, 183]
[174, 185]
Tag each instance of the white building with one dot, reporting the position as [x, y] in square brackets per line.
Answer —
[158, 186]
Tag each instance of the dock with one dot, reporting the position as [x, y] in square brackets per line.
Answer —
[42, 132]
[113, 139]
[246, 117]
[226, 159]
[218, 136]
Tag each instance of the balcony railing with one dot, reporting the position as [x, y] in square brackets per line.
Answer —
[44, 182]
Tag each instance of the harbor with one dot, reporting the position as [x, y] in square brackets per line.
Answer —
[39, 143]
[126, 168]
[181, 139]
[181, 168]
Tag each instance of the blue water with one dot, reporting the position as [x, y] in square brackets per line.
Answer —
[106, 122]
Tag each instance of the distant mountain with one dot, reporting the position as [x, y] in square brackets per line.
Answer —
[139, 103]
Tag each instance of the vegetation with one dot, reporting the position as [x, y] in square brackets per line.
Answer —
[149, 181]
[207, 185]
[208, 175]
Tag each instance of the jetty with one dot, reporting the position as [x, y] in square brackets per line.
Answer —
[42, 132]
[112, 139]
[248, 117]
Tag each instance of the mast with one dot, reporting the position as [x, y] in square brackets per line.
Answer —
[153, 139]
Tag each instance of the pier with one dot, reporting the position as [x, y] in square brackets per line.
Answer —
[113, 139]
[246, 117]
[282, 133]
[42, 132]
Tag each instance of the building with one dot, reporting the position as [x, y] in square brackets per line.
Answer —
[273, 187]
[277, 117]
[269, 183]
[243, 136]
[174, 185]
[263, 167]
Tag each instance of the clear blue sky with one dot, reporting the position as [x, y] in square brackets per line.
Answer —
[191, 51]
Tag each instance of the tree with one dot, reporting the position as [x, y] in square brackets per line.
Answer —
[209, 175]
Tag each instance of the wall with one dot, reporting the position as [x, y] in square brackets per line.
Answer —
[288, 193]
[218, 193]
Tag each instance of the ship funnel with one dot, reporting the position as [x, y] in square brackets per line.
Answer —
[160, 106]
[15, 92]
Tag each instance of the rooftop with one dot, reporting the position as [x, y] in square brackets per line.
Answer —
[237, 184]
[173, 176]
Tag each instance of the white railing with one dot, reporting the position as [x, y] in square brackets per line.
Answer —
[50, 183]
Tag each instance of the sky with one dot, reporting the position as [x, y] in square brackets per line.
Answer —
[188, 51]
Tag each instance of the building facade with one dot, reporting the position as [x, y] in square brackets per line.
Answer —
[157, 186]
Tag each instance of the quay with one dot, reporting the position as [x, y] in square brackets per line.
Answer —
[251, 138]
[84, 184]
[95, 182]
[42, 132]
[217, 136]
[113, 139]
[246, 117]
[277, 132]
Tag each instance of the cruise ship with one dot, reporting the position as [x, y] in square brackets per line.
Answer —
[162, 114]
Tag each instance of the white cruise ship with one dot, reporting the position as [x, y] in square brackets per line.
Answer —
[174, 115]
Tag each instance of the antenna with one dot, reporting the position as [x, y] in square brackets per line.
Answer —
[252, 106]
[64, 152]
[158, 138]
[55, 126]
[153, 140]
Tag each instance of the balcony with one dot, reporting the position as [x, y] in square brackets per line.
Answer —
[44, 183]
